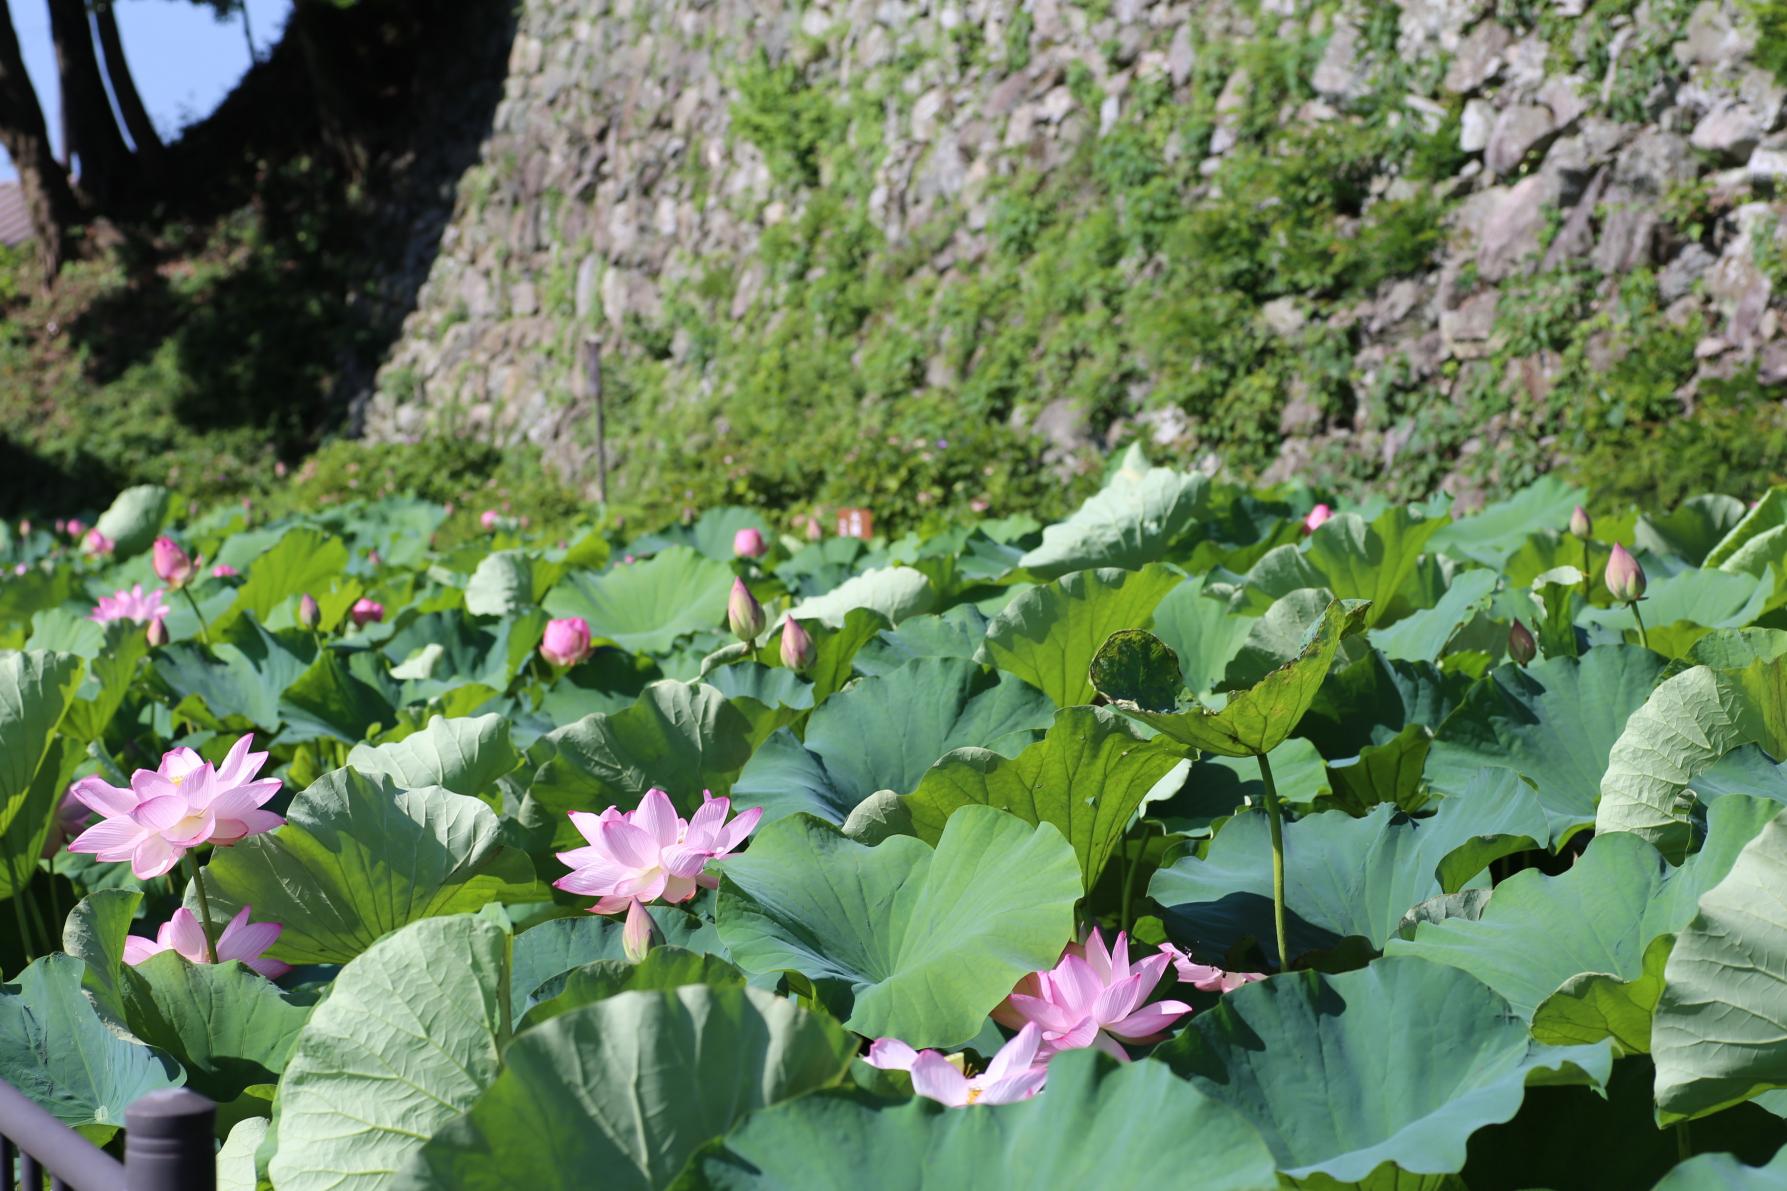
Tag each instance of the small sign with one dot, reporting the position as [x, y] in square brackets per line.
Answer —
[856, 523]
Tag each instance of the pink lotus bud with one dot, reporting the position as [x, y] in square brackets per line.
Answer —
[744, 614]
[172, 564]
[373, 559]
[279, 468]
[815, 531]
[488, 519]
[1521, 646]
[637, 936]
[1624, 578]
[797, 646]
[76, 527]
[24, 529]
[19, 568]
[157, 632]
[96, 543]
[565, 642]
[61, 525]
[1316, 517]
[224, 570]
[1580, 525]
[309, 615]
[365, 611]
[749, 543]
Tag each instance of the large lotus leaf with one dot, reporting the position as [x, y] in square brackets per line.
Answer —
[1068, 1137]
[1374, 698]
[1357, 560]
[1726, 1172]
[133, 518]
[1687, 724]
[784, 779]
[1215, 787]
[1397, 1063]
[1496, 814]
[645, 606]
[1756, 534]
[331, 700]
[228, 1026]
[1133, 521]
[1573, 954]
[55, 1049]
[1711, 598]
[1429, 632]
[236, 1165]
[304, 560]
[242, 675]
[680, 737]
[1276, 636]
[558, 945]
[631, 1087]
[1692, 530]
[957, 633]
[358, 858]
[406, 1041]
[892, 592]
[509, 582]
[1717, 1035]
[1554, 721]
[36, 691]
[1344, 878]
[1202, 633]
[465, 755]
[882, 733]
[711, 533]
[1047, 635]
[1492, 534]
[1087, 777]
[928, 942]
[662, 968]
[1131, 671]
[94, 933]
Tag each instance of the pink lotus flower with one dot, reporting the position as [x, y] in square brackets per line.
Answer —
[96, 543]
[566, 642]
[172, 565]
[1316, 516]
[1205, 977]
[365, 611]
[184, 803]
[1093, 997]
[240, 939]
[130, 605]
[224, 570]
[75, 526]
[488, 519]
[749, 543]
[1014, 1074]
[650, 853]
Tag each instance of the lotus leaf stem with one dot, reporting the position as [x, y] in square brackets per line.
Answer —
[1275, 821]
[198, 884]
[192, 602]
[1643, 637]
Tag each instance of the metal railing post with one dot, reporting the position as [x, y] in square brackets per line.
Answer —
[168, 1142]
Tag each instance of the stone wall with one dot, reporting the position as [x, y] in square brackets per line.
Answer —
[1592, 140]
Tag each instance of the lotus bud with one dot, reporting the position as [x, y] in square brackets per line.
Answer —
[1624, 578]
[76, 527]
[1521, 646]
[744, 614]
[96, 543]
[566, 642]
[365, 611]
[1580, 524]
[488, 519]
[637, 937]
[748, 543]
[1317, 516]
[24, 529]
[157, 632]
[309, 615]
[172, 564]
[224, 570]
[797, 646]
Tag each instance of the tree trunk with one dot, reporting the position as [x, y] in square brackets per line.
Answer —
[48, 198]
[105, 162]
[124, 88]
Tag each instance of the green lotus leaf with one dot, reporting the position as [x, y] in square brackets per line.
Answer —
[1253, 721]
[926, 941]
[1492, 534]
[558, 945]
[508, 582]
[631, 1087]
[133, 519]
[1134, 520]
[1086, 777]
[894, 593]
[957, 633]
[406, 1041]
[57, 1051]
[1717, 1036]
[1360, 560]
[1555, 721]
[680, 737]
[784, 779]
[1429, 632]
[304, 559]
[1048, 635]
[645, 606]
[1689, 722]
[711, 534]
[358, 858]
[1726, 1172]
[1690, 532]
[331, 700]
[662, 968]
[1203, 633]
[1170, 1132]
[1756, 533]
[242, 675]
[1410, 1058]
[37, 689]
[465, 755]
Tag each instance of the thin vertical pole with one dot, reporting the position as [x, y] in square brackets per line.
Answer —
[592, 366]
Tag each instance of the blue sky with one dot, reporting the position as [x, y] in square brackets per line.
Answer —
[184, 60]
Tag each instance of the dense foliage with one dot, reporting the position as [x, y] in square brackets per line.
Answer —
[1383, 847]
